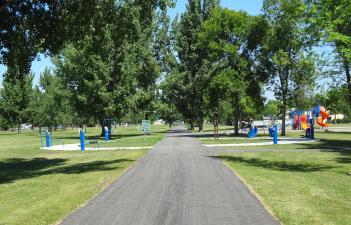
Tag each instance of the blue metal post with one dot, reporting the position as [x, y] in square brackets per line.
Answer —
[106, 134]
[82, 140]
[275, 138]
[48, 139]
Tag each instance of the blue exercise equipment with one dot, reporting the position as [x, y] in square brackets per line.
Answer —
[82, 140]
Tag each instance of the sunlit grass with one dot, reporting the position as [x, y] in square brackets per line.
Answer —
[301, 187]
[41, 186]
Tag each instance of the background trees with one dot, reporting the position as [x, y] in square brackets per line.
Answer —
[126, 60]
[15, 99]
[191, 77]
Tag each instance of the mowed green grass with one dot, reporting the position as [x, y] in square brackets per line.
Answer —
[264, 137]
[42, 187]
[312, 186]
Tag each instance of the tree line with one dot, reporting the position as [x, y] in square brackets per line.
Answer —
[126, 59]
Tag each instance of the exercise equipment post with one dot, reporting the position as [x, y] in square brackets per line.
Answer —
[48, 139]
[275, 135]
[82, 140]
[106, 134]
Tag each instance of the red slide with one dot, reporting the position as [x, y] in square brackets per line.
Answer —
[322, 120]
[296, 121]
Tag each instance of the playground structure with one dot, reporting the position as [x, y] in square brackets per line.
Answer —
[301, 120]
[253, 131]
[305, 120]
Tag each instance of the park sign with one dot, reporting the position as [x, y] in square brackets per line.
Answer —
[145, 126]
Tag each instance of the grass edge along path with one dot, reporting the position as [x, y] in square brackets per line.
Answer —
[316, 193]
[43, 187]
[253, 192]
[106, 185]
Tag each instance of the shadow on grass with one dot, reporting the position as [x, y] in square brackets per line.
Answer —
[276, 165]
[19, 168]
[343, 147]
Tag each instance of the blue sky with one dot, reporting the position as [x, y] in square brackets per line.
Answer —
[251, 6]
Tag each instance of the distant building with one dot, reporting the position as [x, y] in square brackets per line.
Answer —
[159, 122]
[337, 116]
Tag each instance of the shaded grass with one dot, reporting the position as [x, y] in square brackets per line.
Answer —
[308, 187]
[42, 187]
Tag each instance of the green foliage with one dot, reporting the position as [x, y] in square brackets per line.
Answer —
[333, 19]
[191, 76]
[53, 108]
[271, 108]
[287, 41]
[27, 27]
[336, 100]
[14, 101]
[235, 78]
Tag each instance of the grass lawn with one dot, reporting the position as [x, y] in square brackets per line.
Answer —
[326, 138]
[42, 187]
[340, 125]
[302, 187]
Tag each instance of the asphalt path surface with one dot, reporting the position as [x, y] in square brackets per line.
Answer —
[179, 182]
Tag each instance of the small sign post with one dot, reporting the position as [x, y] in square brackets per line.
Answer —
[145, 126]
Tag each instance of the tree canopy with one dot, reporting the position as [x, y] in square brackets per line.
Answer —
[127, 60]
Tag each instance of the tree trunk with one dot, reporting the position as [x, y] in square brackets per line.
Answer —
[192, 125]
[201, 124]
[348, 79]
[283, 115]
[236, 113]
[102, 127]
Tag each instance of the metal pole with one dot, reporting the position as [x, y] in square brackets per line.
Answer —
[275, 138]
[82, 140]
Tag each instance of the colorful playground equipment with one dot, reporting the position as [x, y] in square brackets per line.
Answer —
[253, 130]
[305, 120]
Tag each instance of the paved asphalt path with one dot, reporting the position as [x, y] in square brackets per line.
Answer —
[178, 182]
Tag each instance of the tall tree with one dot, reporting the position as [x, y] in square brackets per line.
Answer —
[191, 55]
[233, 44]
[287, 41]
[112, 66]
